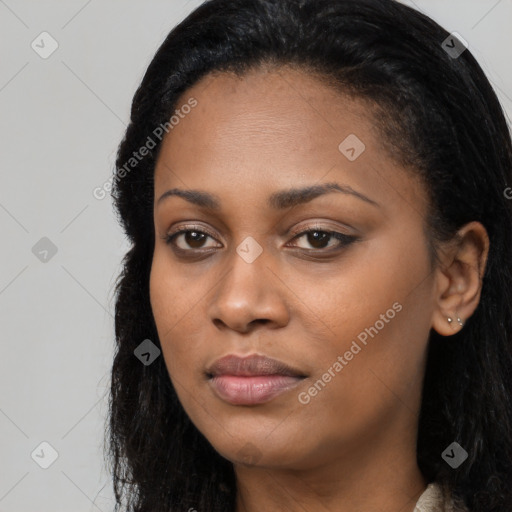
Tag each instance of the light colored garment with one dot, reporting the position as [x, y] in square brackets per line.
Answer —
[434, 499]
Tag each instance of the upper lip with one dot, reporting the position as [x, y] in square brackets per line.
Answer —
[250, 366]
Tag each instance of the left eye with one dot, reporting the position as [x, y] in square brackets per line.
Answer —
[318, 238]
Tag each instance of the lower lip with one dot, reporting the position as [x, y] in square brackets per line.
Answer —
[259, 389]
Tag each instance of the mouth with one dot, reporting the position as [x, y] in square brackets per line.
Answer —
[251, 380]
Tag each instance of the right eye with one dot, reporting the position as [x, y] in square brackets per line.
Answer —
[192, 237]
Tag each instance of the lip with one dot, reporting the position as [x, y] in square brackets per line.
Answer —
[250, 366]
[251, 380]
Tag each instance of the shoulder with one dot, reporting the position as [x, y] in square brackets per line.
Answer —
[436, 498]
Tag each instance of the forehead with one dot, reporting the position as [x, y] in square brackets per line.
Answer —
[267, 107]
[273, 128]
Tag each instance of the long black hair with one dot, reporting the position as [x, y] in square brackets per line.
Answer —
[439, 117]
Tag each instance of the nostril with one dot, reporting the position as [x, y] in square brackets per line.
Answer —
[261, 321]
[218, 323]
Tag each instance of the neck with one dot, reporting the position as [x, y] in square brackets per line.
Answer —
[376, 481]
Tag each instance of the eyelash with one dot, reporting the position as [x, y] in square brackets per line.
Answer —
[344, 240]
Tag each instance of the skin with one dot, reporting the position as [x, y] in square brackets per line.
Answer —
[353, 446]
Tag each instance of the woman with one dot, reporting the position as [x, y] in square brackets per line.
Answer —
[316, 196]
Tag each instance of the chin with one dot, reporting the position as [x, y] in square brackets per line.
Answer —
[274, 451]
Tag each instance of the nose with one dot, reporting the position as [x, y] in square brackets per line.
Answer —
[249, 295]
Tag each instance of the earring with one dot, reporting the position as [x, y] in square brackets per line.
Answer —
[461, 323]
[449, 320]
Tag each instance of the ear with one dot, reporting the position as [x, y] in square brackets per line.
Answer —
[459, 278]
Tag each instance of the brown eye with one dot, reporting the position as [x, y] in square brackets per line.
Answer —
[190, 239]
[194, 239]
[319, 239]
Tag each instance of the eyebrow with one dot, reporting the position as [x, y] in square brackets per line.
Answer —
[278, 200]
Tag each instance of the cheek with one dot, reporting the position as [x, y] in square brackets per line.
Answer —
[378, 318]
[175, 316]
[377, 380]
[164, 283]
[364, 293]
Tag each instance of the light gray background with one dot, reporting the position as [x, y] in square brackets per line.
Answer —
[61, 121]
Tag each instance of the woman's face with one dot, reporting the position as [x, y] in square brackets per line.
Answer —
[351, 316]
